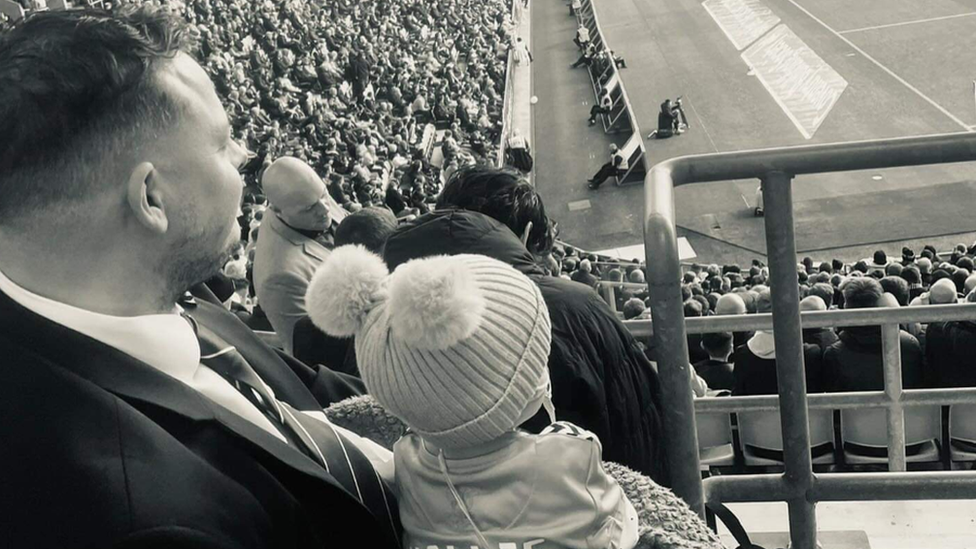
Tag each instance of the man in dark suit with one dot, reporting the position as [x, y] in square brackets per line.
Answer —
[132, 415]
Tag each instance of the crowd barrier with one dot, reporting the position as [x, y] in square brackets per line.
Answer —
[621, 118]
[799, 486]
[508, 106]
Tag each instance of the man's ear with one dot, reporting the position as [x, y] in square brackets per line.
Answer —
[146, 199]
[525, 233]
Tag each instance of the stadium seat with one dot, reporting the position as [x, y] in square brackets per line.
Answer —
[715, 439]
[962, 432]
[761, 438]
[865, 435]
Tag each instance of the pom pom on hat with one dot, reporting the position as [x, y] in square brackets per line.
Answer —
[342, 290]
[435, 302]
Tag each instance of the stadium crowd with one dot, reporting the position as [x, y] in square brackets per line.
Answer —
[847, 359]
[349, 87]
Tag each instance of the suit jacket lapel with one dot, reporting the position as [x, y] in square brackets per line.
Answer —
[135, 381]
[272, 369]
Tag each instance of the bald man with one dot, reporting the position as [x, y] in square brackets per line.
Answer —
[295, 238]
[732, 304]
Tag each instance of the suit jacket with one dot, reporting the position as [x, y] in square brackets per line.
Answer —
[102, 450]
[283, 265]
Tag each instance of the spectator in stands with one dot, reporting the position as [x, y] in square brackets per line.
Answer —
[825, 292]
[584, 274]
[616, 167]
[755, 362]
[293, 242]
[441, 323]
[131, 201]
[897, 287]
[879, 261]
[369, 228]
[950, 351]
[855, 362]
[694, 309]
[601, 380]
[716, 370]
[821, 337]
[634, 308]
[733, 304]
[942, 292]
[925, 271]
[914, 279]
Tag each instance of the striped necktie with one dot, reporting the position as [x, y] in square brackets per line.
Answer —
[318, 440]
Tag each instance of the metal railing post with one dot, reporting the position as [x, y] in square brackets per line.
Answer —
[777, 189]
[667, 312]
[891, 349]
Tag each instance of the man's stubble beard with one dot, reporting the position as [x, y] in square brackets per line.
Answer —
[195, 258]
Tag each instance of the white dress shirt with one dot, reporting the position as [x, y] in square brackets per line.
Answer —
[167, 342]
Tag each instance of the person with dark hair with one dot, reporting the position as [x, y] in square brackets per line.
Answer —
[855, 362]
[824, 291]
[755, 362]
[146, 418]
[914, 279]
[369, 227]
[896, 286]
[716, 370]
[601, 379]
[503, 195]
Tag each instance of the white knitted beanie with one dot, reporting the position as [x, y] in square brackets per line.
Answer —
[455, 346]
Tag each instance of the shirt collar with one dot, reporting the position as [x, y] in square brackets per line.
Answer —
[164, 341]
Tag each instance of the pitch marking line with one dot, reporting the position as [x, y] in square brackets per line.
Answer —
[888, 26]
[891, 73]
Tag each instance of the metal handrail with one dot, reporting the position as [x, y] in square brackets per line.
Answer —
[775, 168]
[817, 319]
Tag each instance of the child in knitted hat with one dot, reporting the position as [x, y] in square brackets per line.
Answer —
[457, 347]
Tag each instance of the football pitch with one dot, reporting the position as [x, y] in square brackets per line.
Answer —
[767, 73]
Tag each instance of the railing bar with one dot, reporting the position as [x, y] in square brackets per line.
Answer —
[891, 351]
[819, 319]
[844, 487]
[678, 411]
[788, 341]
[825, 158]
[911, 398]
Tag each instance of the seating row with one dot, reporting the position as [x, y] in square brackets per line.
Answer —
[850, 437]
[620, 119]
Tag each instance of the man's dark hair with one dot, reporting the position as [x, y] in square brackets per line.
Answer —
[715, 343]
[824, 291]
[77, 93]
[369, 227]
[896, 286]
[503, 195]
[862, 292]
[911, 275]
